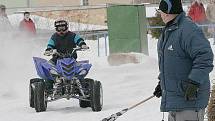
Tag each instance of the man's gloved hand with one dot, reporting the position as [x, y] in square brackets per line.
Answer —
[84, 47]
[191, 91]
[158, 91]
[48, 52]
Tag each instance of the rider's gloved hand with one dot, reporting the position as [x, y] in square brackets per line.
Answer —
[85, 47]
[48, 52]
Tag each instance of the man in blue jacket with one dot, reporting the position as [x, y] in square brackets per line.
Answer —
[185, 61]
[63, 40]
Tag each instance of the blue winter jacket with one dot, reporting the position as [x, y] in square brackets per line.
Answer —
[184, 54]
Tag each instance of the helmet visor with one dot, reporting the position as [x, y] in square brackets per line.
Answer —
[61, 28]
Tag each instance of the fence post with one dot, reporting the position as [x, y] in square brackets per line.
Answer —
[97, 36]
[105, 35]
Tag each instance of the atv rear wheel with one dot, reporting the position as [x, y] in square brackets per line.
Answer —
[31, 92]
[40, 102]
[96, 96]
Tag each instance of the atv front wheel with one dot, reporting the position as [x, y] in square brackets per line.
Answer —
[96, 96]
[40, 102]
[31, 92]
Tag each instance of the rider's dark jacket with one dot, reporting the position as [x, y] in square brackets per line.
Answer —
[65, 43]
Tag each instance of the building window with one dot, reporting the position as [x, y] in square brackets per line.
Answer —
[84, 2]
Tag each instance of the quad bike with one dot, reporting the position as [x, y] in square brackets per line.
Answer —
[67, 80]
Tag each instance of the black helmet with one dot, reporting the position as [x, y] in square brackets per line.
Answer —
[61, 25]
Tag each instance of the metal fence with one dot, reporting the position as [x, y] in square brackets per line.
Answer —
[101, 38]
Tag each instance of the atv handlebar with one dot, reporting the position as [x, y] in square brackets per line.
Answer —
[55, 52]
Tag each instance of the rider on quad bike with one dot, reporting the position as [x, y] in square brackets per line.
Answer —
[64, 41]
[63, 76]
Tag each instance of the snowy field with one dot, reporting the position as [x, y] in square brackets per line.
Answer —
[123, 85]
[131, 83]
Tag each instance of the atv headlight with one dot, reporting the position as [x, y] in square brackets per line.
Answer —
[83, 72]
[54, 72]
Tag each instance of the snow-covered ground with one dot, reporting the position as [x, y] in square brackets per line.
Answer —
[131, 83]
[123, 85]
